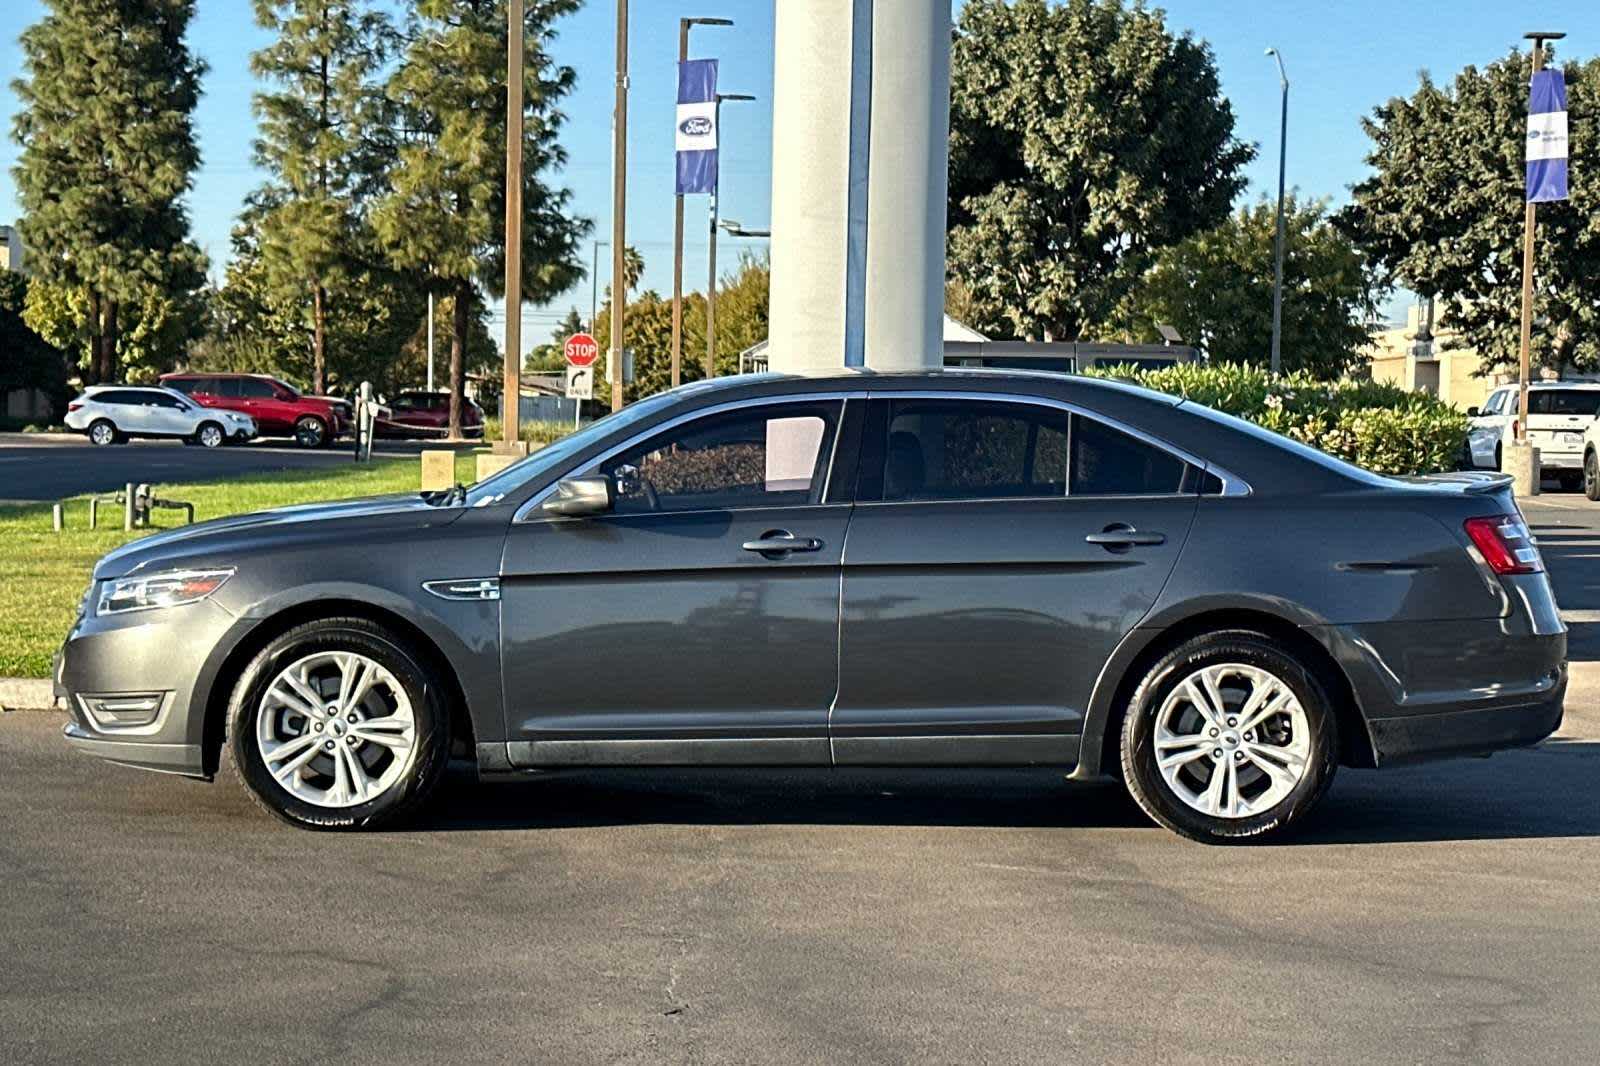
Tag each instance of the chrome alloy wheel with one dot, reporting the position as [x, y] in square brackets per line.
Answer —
[1232, 740]
[336, 729]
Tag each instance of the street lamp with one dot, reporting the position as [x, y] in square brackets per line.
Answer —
[711, 285]
[735, 229]
[684, 26]
[1277, 264]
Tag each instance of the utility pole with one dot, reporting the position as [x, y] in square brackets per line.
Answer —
[1524, 351]
[619, 207]
[711, 283]
[430, 342]
[511, 431]
[684, 25]
[1277, 255]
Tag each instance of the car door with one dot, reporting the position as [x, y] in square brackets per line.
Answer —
[168, 415]
[698, 620]
[1484, 430]
[258, 399]
[1001, 547]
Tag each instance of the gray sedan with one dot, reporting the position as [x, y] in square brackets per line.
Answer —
[958, 568]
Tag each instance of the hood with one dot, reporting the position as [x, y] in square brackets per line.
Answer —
[224, 539]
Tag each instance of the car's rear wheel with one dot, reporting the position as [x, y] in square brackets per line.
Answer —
[103, 432]
[310, 432]
[338, 724]
[1591, 475]
[1229, 737]
[209, 435]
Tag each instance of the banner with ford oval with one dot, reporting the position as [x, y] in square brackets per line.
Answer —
[696, 135]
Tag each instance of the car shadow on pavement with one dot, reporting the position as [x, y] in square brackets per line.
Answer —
[1543, 792]
[1572, 557]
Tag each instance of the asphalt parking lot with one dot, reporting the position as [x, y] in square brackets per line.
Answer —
[35, 467]
[1436, 913]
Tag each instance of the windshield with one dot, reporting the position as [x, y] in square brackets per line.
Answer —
[493, 489]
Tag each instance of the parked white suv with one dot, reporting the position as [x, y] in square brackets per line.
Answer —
[110, 414]
[1559, 414]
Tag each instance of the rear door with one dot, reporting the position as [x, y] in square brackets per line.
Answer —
[1000, 550]
[697, 622]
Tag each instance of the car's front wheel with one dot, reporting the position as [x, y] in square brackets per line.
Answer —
[1229, 737]
[311, 432]
[338, 724]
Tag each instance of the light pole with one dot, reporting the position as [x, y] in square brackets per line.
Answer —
[711, 284]
[684, 25]
[1277, 255]
[510, 403]
[619, 207]
[1525, 345]
[594, 286]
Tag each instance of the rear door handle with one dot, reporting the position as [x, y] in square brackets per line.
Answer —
[778, 542]
[1123, 536]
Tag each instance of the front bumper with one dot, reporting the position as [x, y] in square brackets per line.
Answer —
[168, 654]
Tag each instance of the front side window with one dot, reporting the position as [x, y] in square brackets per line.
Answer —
[972, 450]
[766, 456]
[255, 389]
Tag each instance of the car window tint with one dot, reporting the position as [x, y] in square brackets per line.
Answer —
[767, 456]
[1108, 462]
[254, 389]
[115, 396]
[184, 385]
[973, 449]
[1564, 402]
[226, 387]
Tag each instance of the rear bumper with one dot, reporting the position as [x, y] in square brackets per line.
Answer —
[1439, 689]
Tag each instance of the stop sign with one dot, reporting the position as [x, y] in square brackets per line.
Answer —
[581, 350]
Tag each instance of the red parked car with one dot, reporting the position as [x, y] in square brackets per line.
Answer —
[280, 410]
[426, 415]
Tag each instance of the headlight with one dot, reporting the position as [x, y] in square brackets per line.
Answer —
[169, 589]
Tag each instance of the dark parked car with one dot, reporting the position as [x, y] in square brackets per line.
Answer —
[426, 415]
[959, 568]
[280, 410]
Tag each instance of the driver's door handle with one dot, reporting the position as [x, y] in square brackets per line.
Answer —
[781, 542]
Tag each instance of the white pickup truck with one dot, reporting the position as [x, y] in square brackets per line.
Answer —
[1561, 418]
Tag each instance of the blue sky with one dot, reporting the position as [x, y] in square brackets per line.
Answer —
[1344, 57]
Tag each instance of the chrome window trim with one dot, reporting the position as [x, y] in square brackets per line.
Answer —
[1232, 485]
[528, 512]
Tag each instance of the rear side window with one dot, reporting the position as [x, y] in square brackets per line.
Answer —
[772, 455]
[1564, 402]
[1109, 462]
[187, 386]
[116, 396]
[973, 450]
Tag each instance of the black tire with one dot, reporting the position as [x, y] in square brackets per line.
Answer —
[1591, 475]
[311, 432]
[102, 432]
[1151, 791]
[426, 693]
[1571, 482]
[210, 435]
[1498, 463]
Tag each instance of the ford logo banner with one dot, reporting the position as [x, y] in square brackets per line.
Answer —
[696, 126]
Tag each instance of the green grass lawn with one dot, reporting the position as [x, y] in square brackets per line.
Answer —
[45, 572]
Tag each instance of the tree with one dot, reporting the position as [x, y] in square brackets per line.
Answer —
[1215, 288]
[108, 152]
[155, 326]
[323, 139]
[30, 361]
[443, 214]
[1084, 138]
[1442, 212]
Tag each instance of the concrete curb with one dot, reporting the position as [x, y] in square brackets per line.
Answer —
[26, 694]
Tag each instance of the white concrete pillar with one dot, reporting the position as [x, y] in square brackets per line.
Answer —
[860, 162]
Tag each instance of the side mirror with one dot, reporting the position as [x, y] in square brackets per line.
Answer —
[579, 497]
[1473, 412]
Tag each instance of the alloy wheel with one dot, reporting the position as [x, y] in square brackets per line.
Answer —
[102, 433]
[210, 436]
[308, 433]
[336, 729]
[1232, 740]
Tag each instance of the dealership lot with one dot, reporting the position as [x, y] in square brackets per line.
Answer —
[1435, 912]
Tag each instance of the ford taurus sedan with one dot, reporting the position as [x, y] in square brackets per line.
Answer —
[941, 569]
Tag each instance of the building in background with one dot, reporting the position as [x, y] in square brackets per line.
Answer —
[11, 249]
[1416, 357]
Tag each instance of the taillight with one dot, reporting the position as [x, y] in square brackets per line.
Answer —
[74, 405]
[1505, 544]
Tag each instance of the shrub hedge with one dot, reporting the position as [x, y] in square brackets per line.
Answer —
[1382, 427]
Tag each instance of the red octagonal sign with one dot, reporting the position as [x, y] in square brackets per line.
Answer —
[581, 350]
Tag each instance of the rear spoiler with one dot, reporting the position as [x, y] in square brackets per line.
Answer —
[1471, 482]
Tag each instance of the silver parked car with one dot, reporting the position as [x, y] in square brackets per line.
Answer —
[965, 568]
[111, 414]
